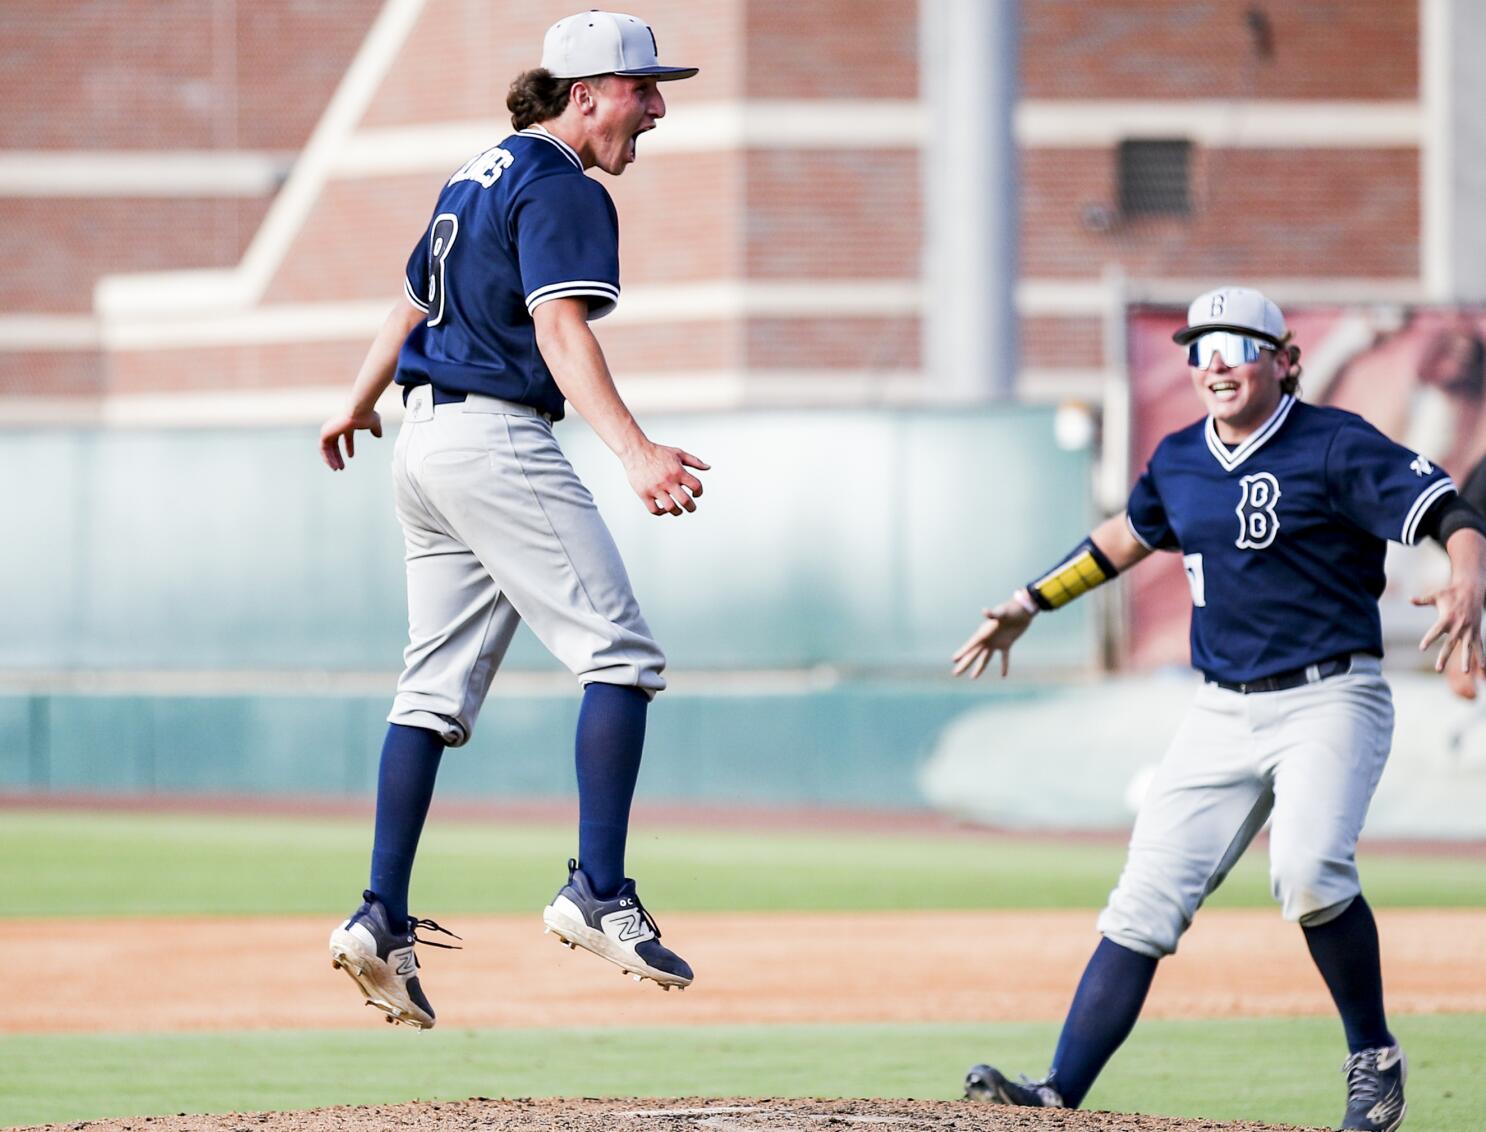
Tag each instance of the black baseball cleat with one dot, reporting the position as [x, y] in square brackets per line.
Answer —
[381, 962]
[617, 929]
[987, 1083]
[1375, 1089]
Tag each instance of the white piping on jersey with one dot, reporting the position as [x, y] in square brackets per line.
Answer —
[574, 287]
[1426, 499]
[1129, 522]
[412, 298]
[568, 151]
[1231, 460]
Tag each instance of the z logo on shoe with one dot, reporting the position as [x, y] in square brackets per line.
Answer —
[628, 926]
[407, 965]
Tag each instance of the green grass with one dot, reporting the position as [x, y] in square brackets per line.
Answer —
[84, 864]
[1277, 1070]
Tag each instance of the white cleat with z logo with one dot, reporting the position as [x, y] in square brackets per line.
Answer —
[617, 929]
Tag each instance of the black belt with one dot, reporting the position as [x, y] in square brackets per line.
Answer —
[1295, 678]
[440, 396]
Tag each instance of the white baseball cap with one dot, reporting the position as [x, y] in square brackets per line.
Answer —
[1240, 310]
[605, 43]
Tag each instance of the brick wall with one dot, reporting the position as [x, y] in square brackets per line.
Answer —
[830, 49]
[51, 373]
[1062, 342]
[821, 214]
[257, 75]
[877, 343]
[172, 74]
[674, 347]
[1327, 49]
[220, 369]
[462, 56]
[55, 248]
[1307, 213]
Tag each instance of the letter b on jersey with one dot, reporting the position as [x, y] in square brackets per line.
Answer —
[1257, 521]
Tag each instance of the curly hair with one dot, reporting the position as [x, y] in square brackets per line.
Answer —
[538, 95]
[1288, 355]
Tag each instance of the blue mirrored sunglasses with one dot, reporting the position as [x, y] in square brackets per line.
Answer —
[1236, 349]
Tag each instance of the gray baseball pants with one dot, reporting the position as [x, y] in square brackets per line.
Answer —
[498, 529]
[1309, 757]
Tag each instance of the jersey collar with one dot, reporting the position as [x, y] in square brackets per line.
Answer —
[568, 151]
[1255, 441]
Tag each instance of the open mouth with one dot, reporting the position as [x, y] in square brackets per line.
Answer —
[1223, 390]
[634, 139]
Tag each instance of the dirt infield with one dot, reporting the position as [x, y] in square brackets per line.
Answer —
[881, 967]
[685, 1115]
[767, 968]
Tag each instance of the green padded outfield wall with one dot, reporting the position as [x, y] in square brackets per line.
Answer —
[840, 554]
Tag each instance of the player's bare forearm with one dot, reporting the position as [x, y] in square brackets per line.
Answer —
[1458, 603]
[1113, 537]
[376, 373]
[379, 366]
[578, 366]
[657, 473]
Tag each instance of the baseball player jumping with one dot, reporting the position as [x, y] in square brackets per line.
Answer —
[1281, 512]
[490, 342]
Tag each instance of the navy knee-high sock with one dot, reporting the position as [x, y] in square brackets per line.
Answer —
[1346, 953]
[1104, 1010]
[611, 738]
[410, 763]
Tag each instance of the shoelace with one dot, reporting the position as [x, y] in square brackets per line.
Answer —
[645, 915]
[414, 924]
[1363, 1078]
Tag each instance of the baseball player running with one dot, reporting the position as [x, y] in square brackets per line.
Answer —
[492, 340]
[1281, 511]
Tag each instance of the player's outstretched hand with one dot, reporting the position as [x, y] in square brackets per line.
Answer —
[344, 427]
[659, 476]
[1458, 626]
[1002, 626]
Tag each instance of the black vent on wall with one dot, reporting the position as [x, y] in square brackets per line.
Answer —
[1154, 177]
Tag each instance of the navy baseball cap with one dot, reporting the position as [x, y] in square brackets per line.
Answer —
[605, 43]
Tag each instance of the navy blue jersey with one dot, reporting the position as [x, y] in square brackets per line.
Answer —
[516, 226]
[1283, 536]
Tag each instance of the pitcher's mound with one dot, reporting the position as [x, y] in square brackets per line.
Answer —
[681, 1115]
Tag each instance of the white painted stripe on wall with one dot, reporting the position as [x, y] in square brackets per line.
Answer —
[1266, 124]
[660, 303]
[797, 298]
[234, 408]
[128, 173]
[299, 322]
[704, 127]
[1436, 168]
[904, 124]
[688, 391]
[707, 301]
[1042, 384]
[512, 685]
[1090, 297]
[48, 332]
